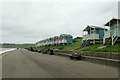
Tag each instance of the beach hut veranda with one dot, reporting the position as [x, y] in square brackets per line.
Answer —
[93, 34]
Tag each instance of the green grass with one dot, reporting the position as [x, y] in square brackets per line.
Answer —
[91, 48]
[108, 48]
[111, 48]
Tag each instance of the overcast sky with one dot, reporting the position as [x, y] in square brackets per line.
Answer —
[29, 22]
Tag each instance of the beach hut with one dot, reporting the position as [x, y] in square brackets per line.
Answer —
[66, 39]
[37, 44]
[92, 33]
[46, 42]
[56, 40]
[113, 34]
[50, 41]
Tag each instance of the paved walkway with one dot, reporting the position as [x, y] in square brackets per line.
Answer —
[24, 64]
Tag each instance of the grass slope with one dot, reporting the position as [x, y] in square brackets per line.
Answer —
[93, 48]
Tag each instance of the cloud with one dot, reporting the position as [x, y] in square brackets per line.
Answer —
[31, 22]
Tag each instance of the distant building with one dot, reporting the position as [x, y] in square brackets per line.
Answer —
[113, 34]
[92, 33]
[63, 39]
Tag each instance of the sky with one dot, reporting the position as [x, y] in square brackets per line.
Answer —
[32, 21]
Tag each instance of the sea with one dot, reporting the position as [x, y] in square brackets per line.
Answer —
[3, 50]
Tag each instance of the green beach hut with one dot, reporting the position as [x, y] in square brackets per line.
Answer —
[113, 34]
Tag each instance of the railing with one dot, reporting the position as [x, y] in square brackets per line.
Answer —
[85, 39]
[64, 41]
[80, 42]
[114, 37]
[90, 36]
[107, 34]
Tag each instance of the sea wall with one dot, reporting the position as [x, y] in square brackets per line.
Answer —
[108, 58]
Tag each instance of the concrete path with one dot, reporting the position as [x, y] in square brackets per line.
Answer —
[24, 64]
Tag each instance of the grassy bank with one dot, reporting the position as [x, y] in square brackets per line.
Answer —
[93, 48]
[8, 45]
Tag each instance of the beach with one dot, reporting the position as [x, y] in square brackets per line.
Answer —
[3, 50]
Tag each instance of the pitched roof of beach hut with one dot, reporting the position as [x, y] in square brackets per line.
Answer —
[92, 27]
[111, 21]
